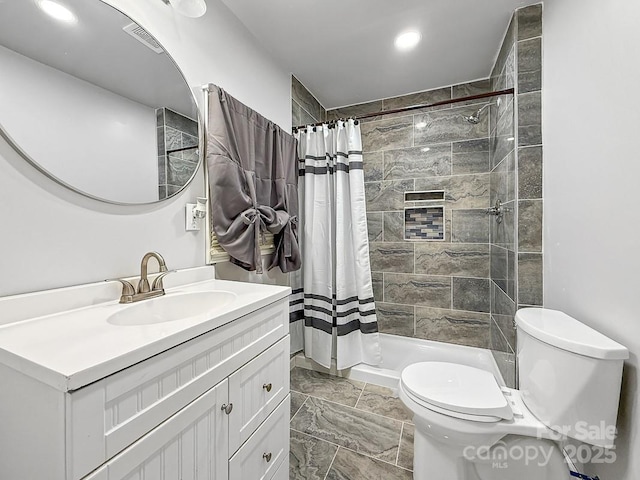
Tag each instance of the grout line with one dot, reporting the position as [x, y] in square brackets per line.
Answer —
[331, 464]
[399, 443]
[300, 408]
[360, 396]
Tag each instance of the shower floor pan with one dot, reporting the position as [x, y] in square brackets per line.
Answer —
[398, 352]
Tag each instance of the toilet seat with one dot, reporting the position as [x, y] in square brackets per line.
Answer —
[456, 390]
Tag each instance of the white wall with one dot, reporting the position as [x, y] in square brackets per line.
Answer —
[591, 184]
[52, 237]
[104, 130]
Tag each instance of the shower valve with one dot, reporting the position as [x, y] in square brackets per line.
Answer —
[496, 210]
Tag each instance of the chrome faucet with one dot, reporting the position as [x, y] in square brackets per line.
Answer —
[144, 291]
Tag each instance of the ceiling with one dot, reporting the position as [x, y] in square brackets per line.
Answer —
[343, 52]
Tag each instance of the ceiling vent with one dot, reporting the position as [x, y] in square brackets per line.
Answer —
[140, 34]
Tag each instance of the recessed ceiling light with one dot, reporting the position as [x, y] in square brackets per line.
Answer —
[57, 11]
[426, 149]
[407, 40]
[421, 124]
[511, 139]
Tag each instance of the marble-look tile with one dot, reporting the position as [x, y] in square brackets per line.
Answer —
[395, 319]
[421, 98]
[374, 226]
[453, 326]
[503, 141]
[363, 432]
[405, 457]
[470, 226]
[529, 279]
[305, 99]
[471, 156]
[461, 191]
[471, 294]
[530, 65]
[470, 89]
[172, 138]
[391, 257]
[499, 266]
[173, 189]
[387, 134]
[159, 117]
[309, 458]
[296, 116]
[530, 172]
[373, 166]
[306, 118]
[387, 195]
[530, 226]
[179, 171]
[162, 192]
[505, 47]
[506, 363]
[503, 180]
[417, 163]
[433, 291]
[530, 119]
[511, 274]
[449, 126]
[529, 21]
[503, 233]
[189, 141]
[378, 286]
[498, 342]
[455, 259]
[503, 312]
[381, 400]
[393, 226]
[160, 140]
[336, 389]
[355, 110]
[350, 465]
[180, 122]
[297, 399]
[162, 169]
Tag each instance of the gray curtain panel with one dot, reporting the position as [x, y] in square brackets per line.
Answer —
[253, 178]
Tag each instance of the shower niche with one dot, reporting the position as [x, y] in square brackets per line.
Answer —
[424, 222]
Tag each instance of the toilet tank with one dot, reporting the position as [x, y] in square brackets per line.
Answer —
[569, 375]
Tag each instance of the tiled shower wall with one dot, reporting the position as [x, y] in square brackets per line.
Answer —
[516, 178]
[437, 290]
[175, 168]
[305, 109]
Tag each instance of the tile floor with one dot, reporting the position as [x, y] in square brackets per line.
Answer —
[347, 430]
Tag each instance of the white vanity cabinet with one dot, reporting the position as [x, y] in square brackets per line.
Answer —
[215, 407]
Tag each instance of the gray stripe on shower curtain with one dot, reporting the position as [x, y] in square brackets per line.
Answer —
[333, 292]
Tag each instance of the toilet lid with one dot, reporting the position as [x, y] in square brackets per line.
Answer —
[456, 388]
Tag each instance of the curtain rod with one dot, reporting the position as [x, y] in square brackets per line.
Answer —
[508, 91]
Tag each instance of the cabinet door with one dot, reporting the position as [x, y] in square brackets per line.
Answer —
[256, 390]
[191, 445]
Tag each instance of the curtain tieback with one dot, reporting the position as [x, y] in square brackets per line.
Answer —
[251, 216]
[288, 234]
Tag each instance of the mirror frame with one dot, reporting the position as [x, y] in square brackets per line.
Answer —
[201, 135]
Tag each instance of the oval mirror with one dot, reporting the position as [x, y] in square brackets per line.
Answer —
[93, 101]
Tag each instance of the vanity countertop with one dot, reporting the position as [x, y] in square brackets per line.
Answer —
[70, 349]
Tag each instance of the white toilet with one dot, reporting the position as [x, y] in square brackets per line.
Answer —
[470, 428]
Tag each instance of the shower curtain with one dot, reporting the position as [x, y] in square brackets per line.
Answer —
[332, 296]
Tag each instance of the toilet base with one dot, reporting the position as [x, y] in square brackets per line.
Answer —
[524, 458]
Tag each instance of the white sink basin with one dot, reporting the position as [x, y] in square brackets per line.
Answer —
[171, 307]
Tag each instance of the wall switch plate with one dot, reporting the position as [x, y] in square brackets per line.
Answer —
[191, 222]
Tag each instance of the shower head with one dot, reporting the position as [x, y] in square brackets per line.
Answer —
[475, 117]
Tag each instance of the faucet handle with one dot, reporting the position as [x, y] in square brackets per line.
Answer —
[157, 282]
[128, 290]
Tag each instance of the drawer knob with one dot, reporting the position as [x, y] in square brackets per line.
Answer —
[267, 457]
[227, 408]
[267, 387]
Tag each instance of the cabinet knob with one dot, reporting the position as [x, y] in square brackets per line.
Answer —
[267, 387]
[227, 408]
[267, 457]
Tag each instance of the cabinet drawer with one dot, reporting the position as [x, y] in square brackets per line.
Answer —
[257, 389]
[261, 455]
[111, 414]
[190, 445]
[282, 473]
